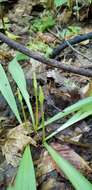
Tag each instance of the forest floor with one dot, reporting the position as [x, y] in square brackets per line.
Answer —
[42, 28]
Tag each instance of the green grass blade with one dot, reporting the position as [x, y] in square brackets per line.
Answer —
[70, 122]
[75, 107]
[75, 118]
[75, 177]
[60, 2]
[25, 179]
[6, 90]
[18, 75]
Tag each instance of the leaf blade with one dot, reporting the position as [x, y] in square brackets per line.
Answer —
[7, 93]
[25, 179]
[18, 75]
[76, 178]
[75, 107]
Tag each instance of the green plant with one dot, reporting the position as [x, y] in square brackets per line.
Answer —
[70, 30]
[36, 96]
[25, 178]
[5, 87]
[60, 2]
[18, 75]
[41, 100]
[22, 107]
[25, 173]
[43, 23]
[40, 46]
[69, 3]
[77, 180]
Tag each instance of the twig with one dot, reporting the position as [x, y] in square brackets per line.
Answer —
[69, 141]
[78, 51]
[75, 40]
[89, 66]
[37, 56]
[55, 35]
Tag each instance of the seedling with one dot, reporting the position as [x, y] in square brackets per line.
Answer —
[36, 97]
[25, 178]
[41, 100]
[22, 106]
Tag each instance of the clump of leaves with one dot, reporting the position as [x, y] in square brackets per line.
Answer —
[68, 3]
[43, 24]
[71, 30]
[40, 46]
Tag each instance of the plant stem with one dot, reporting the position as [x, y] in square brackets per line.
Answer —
[77, 11]
[22, 107]
[43, 126]
[23, 111]
[36, 96]
[36, 127]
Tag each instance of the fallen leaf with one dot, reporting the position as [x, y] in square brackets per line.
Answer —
[46, 164]
[15, 143]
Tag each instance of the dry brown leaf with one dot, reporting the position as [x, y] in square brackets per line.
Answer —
[46, 164]
[70, 155]
[15, 143]
[46, 38]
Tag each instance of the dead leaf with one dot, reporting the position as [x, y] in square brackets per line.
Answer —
[46, 164]
[46, 38]
[15, 143]
[70, 155]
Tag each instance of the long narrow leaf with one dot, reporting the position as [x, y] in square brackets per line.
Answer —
[6, 90]
[25, 179]
[75, 118]
[70, 122]
[75, 107]
[18, 75]
[75, 177]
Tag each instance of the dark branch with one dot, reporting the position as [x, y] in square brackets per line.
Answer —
[75, 40]
[37, 56]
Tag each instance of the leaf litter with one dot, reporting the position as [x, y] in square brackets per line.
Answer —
[15, 142]
[61, 89]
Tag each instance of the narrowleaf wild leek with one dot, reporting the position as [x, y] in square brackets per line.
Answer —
[25, 178]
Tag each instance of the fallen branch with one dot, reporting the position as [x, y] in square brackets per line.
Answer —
[37, 56]
[79, 53]
[75, 40]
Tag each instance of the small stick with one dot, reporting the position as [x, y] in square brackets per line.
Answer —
[78, 51]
